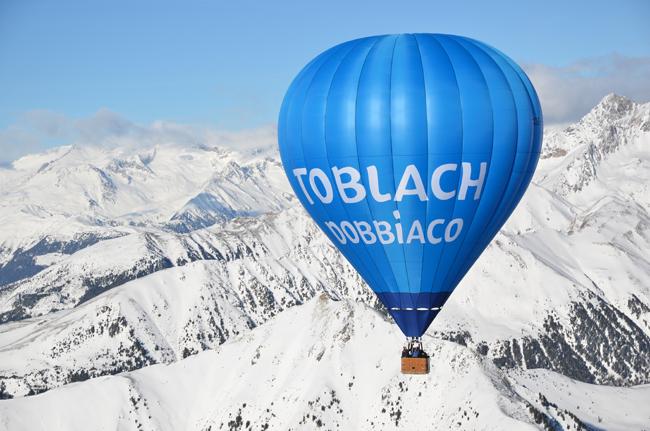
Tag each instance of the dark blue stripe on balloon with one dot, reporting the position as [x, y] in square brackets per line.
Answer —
[413, 323]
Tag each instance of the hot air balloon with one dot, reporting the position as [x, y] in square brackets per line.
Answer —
[410, 152]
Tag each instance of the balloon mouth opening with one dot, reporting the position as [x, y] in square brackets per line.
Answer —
[413, 312]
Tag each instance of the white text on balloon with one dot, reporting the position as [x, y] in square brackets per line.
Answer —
[349, 186]
[384, 232]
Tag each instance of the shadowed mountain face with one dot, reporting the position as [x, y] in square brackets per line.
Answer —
[114, 260]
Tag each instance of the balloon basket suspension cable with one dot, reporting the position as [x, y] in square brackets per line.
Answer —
[414, 359]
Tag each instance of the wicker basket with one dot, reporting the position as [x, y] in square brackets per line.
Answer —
[415, 365]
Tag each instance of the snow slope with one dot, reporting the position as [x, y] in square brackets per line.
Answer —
[252, 248]
[322, 365]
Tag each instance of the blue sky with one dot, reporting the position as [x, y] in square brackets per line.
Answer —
[227, 64]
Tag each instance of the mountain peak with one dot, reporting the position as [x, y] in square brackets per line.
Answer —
[575, 153]
[614, 105]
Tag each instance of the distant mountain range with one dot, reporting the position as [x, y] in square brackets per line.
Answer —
[116, 259]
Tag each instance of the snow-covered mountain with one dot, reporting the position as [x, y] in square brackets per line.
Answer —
[321, 365]
[59, 202]
[578, 160]
[266, 243]
[192, 247]
[251, 269]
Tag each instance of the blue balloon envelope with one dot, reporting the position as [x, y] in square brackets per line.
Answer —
[410, 152]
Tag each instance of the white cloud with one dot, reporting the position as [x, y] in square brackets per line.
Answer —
[569, 92]
[40, 129]
[15, 142]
